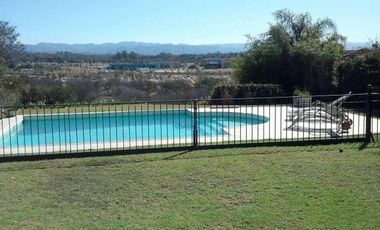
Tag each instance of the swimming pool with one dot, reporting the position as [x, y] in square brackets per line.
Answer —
[49, 130]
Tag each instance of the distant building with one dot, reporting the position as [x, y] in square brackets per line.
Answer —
[358, 52]
[216, 63]
[213, 64]
[138, 66]
[189, 65]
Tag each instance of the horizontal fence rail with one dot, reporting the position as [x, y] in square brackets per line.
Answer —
[93, 128]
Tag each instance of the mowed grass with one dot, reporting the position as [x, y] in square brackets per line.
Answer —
[332, 186]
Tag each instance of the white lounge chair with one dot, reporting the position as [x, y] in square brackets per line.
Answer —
[321, 113]
[318, 104]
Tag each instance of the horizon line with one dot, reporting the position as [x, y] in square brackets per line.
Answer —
[160, 43]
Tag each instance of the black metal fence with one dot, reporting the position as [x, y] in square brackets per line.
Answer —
[94, 128]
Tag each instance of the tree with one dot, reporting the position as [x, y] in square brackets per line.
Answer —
[30, 95]
[10, 48]
[85, 90]
[355, 72]
[7, 97]
[295, 52]
[9, 91]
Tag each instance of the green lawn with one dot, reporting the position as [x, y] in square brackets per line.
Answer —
[333, 186]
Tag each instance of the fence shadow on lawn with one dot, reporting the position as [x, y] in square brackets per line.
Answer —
[109, 160]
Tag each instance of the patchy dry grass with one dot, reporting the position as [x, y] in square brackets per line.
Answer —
[333, 186]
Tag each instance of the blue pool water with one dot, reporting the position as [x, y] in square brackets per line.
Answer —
[117, 126]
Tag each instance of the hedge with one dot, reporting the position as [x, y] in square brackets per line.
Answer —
[235, 91]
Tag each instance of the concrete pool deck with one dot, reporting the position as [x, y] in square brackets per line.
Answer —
[275, 130]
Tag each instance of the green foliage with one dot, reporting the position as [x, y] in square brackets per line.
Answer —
[49, 95]
[356, 72]
[85, 90]
[295, 53]
[119, 57]
[9, 90]
[30, 95]
[12, 83]
[245, 91]
[7, 97]
[301, 93]
[59, 95]
[10, 48]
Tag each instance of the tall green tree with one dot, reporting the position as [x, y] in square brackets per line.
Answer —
[355, 72]
[10, 47]
[295, 52]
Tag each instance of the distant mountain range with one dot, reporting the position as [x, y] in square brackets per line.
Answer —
[137, 47]
[149, 48]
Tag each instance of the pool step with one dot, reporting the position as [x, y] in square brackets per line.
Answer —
[7, 124]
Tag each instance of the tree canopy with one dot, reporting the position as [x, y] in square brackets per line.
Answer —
[295, 52]
[10, 47]
[355, 72]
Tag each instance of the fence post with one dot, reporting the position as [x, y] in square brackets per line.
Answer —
[195, 123]
[368, 134]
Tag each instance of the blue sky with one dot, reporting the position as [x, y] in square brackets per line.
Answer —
[175, 21]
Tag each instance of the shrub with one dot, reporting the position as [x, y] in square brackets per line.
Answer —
[235, 91]
[7, 97]
[301, 93]
[85, 90]
[59, 95]
[246, 90]
[31, 95]
[125, 94]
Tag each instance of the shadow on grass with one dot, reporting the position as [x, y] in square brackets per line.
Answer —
[363, 146]
[372, 142]
[174, 156]
[129, 158]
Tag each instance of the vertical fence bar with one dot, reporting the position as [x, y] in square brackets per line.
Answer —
[161, 129]
[52, 129]
[195, 123]
[59, 131]
[83, 131]
[23, 130]
[76, 128]
[90, 127]
[154, 126]
[148, 125]
[368, 134]
[129, 126]
[122, 126]
[205, 142]
[109, 139]
[17, 136]
[2, 132]
[173, 124]
[186, 121]
[167, 123]
[9, 133]
[67, 128]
